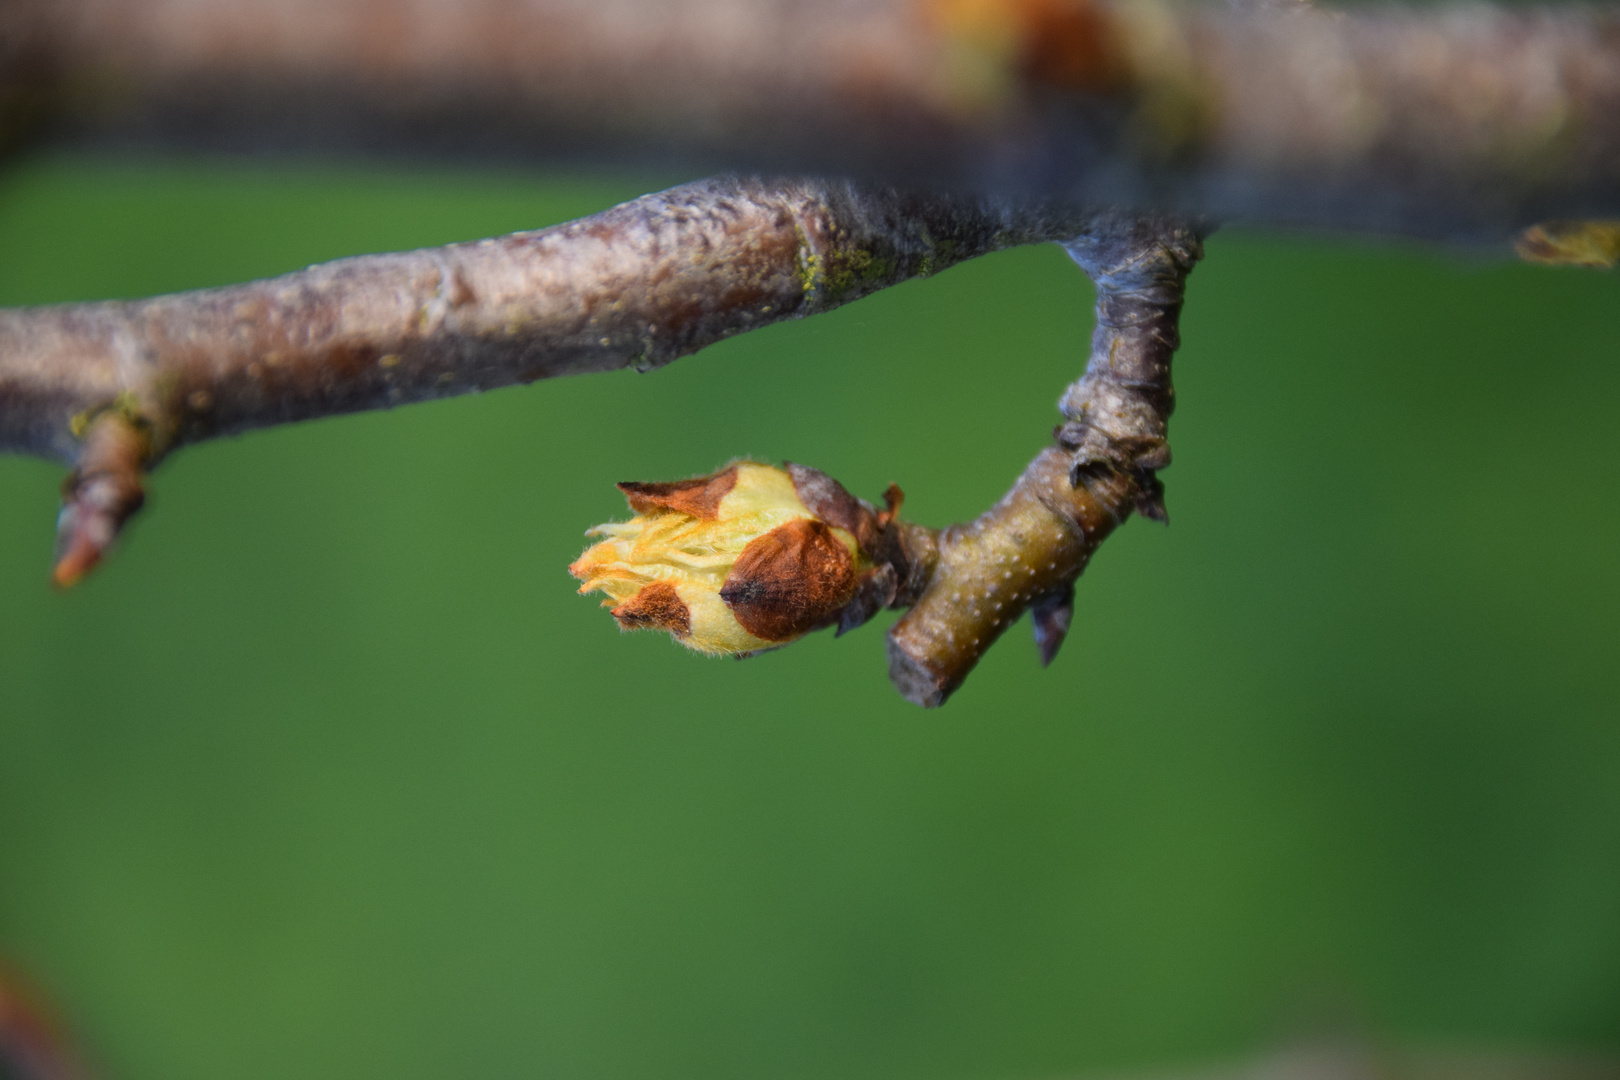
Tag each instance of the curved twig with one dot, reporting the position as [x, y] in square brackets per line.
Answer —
[1025, 552]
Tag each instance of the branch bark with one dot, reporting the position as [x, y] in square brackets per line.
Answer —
[635, 286]
[1025, 552]
[112, 387]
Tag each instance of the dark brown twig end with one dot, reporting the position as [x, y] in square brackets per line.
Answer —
[100, 496]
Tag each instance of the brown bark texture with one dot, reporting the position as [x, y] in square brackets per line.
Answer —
[634, 286]
[1025, 552]
[112, 387]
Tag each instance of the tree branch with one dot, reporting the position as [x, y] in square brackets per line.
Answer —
[634, 286]
[1467, 123]
[1464, 122]
[112, 387]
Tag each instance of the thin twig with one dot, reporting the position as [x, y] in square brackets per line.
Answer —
[1025, 552]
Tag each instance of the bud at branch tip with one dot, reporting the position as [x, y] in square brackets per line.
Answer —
[746, 559]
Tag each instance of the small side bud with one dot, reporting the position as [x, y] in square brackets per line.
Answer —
[100, 495]
[746, 559]
[1150, 498]
[1050, 617]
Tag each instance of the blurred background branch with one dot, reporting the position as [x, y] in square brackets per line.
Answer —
[1457, 122]
[35, 1045]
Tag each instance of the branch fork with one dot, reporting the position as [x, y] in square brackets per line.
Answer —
[965, 584]
[114, 387]
[1026, 552]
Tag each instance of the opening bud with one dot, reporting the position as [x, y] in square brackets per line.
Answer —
[746, 559]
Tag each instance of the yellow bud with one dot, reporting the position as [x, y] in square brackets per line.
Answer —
[735, 562]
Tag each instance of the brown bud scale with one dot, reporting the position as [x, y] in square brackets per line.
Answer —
[656, 607]
[700, 497]
[795, 578]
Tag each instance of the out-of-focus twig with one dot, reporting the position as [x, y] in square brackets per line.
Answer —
[33, 1045]
[1467, 122]
[1360, 1060]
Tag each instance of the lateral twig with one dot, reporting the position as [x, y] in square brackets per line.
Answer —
[1025, 552]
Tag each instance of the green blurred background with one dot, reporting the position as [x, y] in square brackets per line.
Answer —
[330, 774]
